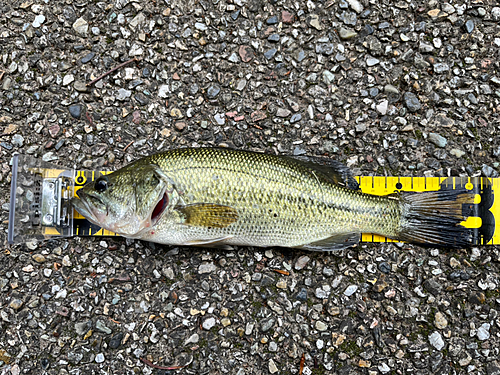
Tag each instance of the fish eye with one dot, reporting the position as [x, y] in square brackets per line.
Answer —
[101, 184]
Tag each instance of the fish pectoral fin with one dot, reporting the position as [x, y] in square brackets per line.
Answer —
[333, 170]
[216, 242]
[334, 243]
[208, 215]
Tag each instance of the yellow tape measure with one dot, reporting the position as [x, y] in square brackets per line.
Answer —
[483, 219]
[485, 214]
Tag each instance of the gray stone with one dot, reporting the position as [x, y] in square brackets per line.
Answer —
[321, 326]
[469, 26]
[425, 47]
[220, 118]
[328, 77]
[75, 110]
[412, 102]
[349, 18]
[269, 54]
[99, 325]
[295, 118]
[437, 139]
[390, 89]
[382, 107]
[346, 34]
[267, 324]
[441, 68]
[83, 327]
[302, 295]
[87, 58]
[213, 90]
[193, 339]
[325, 48]
[355, 5]
[123, 94]
[489, 171]
[274, 38]
[80, 86]
[75, 358]
[116, 340]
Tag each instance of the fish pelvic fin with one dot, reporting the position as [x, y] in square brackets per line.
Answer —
[333, 243]
[208, 215]
[434, 218]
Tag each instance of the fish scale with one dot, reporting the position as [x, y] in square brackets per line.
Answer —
[259, 186]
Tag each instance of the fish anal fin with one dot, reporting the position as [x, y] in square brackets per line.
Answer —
[334, 243]
[333, 170]
[208, 215]
[215, 242]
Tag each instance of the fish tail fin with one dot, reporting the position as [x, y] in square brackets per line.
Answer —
[434, 218]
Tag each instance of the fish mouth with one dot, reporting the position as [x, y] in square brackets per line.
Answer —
[83, 206]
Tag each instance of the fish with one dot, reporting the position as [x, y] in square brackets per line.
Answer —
[220, 197]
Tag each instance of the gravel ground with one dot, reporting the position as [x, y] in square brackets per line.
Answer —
[406, 88]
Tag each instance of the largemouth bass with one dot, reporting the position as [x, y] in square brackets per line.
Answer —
[217, 197]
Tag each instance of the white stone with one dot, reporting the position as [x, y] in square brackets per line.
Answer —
[436, 340]
[384, 368]
[193, 339]
[81, 26]
[355, 5]
[38, 21]
[220, 118]
[135, 50]
[350, 290]
[206, 268]
[320, 326]
[208, 324]
[137, 21]
[320, 344]
[68, 78]
[163, 91]
[382, 107]
[483, 332]
[272, 367]
[371, 61]
[99, 358]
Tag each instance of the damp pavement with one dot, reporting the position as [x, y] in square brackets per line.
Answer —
[389, 88]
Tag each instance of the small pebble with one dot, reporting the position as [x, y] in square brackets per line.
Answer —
[350, 290]
[208, 323]
[436, 340]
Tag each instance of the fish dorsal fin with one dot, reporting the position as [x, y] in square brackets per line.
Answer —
[333, 170]
[208, 215]
[334, 243]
